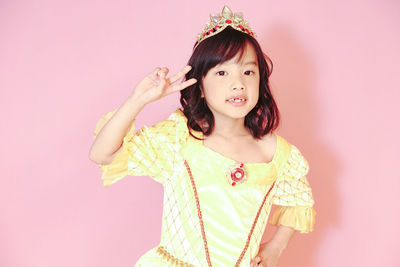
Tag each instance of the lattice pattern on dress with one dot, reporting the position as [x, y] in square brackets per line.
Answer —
[149, 152]
[181, 227]
[154, 151]
[293, 195]
[292, 187]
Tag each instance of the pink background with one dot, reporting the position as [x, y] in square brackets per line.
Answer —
[65, 63]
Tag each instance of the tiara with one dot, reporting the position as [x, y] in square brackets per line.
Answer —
[219, 22]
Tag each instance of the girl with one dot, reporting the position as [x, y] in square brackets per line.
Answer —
[218, 158]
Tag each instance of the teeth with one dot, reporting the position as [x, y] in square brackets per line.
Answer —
[237, 100]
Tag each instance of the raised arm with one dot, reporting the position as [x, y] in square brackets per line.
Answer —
[154, 86]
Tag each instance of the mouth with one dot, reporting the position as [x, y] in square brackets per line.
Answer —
[237, 100]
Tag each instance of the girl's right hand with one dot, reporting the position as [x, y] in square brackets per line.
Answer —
[155, 85]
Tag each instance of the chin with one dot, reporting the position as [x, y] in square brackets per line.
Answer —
[234, 112]
[238, 114]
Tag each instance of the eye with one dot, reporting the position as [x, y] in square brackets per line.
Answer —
[221, 73]
[249, 72]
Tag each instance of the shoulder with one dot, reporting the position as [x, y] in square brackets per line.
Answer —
[173, 128]
[291, 160]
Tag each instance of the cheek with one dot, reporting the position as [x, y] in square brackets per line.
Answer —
[209, 89]
[255, 85]
[211, 96]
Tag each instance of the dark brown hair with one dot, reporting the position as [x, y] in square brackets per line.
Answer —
[263, 118]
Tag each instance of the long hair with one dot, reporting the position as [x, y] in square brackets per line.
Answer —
[262, 119]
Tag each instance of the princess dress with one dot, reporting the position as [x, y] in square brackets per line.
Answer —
[207, 220]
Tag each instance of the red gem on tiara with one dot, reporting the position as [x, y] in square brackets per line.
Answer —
[228, 21]
[247, 30]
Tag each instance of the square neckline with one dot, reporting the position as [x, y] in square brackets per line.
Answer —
[226, 158]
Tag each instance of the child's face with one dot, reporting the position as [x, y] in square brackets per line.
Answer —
[231, 89]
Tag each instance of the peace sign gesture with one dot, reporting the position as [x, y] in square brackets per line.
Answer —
[156, 85]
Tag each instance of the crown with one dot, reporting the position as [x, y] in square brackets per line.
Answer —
[219, 22]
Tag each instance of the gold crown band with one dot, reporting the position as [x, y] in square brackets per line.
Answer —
[218, 22]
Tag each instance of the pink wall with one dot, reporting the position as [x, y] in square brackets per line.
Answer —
[65, 63]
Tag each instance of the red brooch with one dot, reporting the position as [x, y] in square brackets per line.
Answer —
[236, 174]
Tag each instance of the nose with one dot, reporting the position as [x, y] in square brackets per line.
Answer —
[239, 87]
[238, 84]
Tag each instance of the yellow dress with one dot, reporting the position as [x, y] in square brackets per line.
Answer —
[233, 218]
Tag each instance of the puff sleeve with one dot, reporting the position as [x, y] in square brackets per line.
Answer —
[148, 152]
[293, 195]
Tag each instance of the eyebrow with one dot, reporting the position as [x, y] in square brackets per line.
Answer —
[250, 63]
[254, 63]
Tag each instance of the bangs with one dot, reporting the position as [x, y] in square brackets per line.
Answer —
[222, 47]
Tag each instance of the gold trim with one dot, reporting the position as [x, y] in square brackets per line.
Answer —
[169, 257]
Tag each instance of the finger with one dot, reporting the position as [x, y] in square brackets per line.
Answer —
[181, 86]
[180, 74]
[154, 73]
[163, 72]
[156, 70]
[256, 260]
[162, 84]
